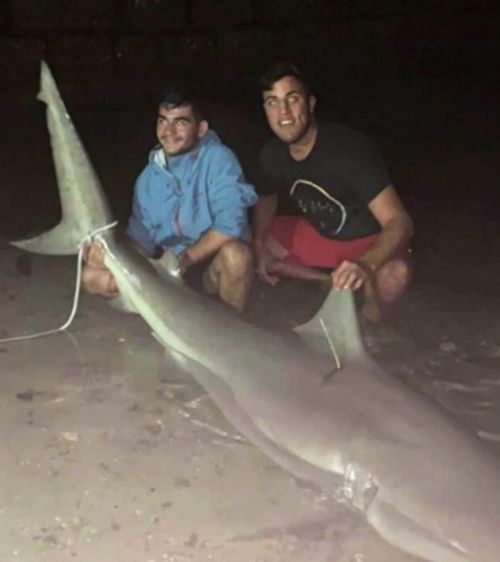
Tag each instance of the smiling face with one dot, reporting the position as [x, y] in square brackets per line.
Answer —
[178, 130]
[289, 110]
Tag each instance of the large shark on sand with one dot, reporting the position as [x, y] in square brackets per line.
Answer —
[423, 481]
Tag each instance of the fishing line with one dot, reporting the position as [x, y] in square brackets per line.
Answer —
[76, 296]
[331, 344]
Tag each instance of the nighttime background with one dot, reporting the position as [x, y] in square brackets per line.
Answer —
[420, 76]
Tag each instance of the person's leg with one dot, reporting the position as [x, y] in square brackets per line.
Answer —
[302, 251]
[284, 234]
[296, 270]
[379, 292]
[390, 282]
[230, 274]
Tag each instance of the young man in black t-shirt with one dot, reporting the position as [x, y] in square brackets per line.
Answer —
[343, 213]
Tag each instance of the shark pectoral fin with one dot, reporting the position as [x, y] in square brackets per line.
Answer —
[334, 329]
[407, 535]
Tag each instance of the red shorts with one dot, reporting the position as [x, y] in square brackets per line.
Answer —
[307, 247]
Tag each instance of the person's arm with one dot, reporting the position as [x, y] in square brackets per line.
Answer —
[263, 216]
[229, 198]
[397, 230]
[208, 245]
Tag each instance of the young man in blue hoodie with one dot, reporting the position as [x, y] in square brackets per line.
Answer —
[192, 200]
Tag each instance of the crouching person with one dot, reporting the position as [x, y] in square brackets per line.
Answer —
[192, 200]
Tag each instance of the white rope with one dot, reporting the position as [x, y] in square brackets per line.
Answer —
[331, 344]
[76, 296]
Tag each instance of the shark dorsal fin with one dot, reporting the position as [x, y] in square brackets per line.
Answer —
[334, 329]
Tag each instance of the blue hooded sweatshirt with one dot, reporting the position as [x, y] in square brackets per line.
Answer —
[177, 202]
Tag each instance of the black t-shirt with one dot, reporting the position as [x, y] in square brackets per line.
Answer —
[332, 187]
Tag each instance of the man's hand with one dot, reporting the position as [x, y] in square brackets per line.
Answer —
[265, 265]
[93, 255]
[184, 262]
[350, 275]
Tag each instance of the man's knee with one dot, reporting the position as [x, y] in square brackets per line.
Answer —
[236, 258]
[393, 278]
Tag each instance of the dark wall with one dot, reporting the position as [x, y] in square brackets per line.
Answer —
[110, 47]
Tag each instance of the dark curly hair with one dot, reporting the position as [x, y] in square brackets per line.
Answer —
[280, 70]
[176, 96]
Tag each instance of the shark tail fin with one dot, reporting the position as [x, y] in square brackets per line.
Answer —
[334, 329]
[84, 206]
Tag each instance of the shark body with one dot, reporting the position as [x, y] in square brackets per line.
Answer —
[424, 482]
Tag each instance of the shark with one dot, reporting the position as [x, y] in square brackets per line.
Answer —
[424, 481]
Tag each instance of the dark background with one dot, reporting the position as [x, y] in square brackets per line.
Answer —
[404, 71]
[107, 47]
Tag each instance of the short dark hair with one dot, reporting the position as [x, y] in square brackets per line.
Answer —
[280, 70]
[176, 96]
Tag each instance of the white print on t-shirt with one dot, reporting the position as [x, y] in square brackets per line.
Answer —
[331, 204]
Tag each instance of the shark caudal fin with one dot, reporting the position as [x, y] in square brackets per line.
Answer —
[84, 206]
[334, 329]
